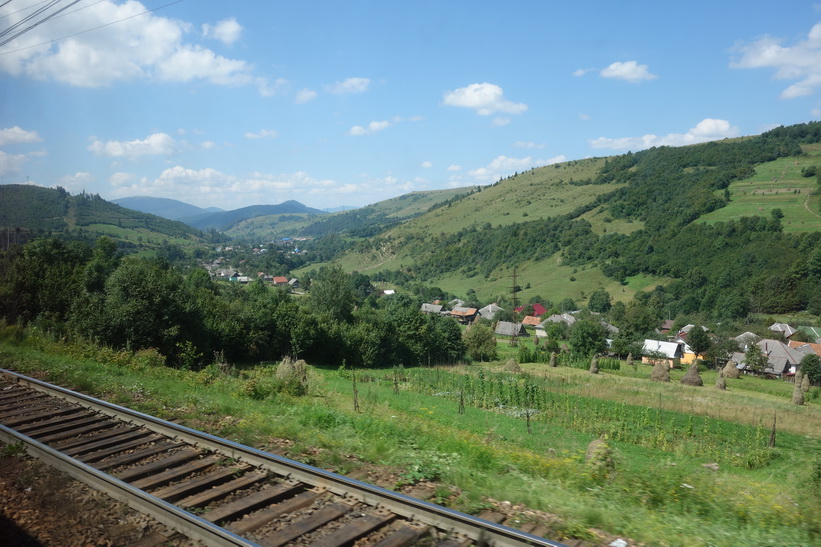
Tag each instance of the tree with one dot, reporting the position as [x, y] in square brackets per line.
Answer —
[480, 343]
[144, 306]
[332, 293]
[587, 337]
[600, 301]
[811, 366]
[567, 305]
[755, 359]
[699, 341]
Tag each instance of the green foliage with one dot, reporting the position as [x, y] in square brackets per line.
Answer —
[480, 343]
[811, 367]
[587, 337]
[600, 301]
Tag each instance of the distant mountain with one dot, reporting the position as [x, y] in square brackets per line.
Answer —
[31, 211]
[163, 207]
[225, 220]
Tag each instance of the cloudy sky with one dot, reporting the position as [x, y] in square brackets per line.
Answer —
[331, 103]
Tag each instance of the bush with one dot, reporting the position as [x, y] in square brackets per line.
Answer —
[148, 358]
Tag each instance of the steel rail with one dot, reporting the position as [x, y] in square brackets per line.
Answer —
[184, 522]
[440, 517]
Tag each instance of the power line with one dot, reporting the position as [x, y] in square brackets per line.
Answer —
[88, 30]
[29, 17]
[22, 9]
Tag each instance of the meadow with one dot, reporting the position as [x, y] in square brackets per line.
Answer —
[480, 433]
[777, 184]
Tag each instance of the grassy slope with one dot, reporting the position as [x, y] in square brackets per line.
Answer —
[660, 497]
[540, 193]
[777, 184]
[269, 227]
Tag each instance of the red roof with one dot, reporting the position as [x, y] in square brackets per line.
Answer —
[280, 280]
[538, 310]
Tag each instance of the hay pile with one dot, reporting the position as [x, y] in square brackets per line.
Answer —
[661, 371]
[594, 365]
[692, 377]
[730, 370]
[553, 359]
[512, 366]
[293, 375]
[721, 383]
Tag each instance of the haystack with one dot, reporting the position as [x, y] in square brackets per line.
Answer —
[293, 371]
[692, 377]
[594, 365]
[661, 371]
[512, 366]
[730, 370]
[600, 461]
[721, 383]
[630, 359]
[553, 359]
[797, 395]
[805, 383]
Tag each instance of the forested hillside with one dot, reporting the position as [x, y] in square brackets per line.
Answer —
[724, 269]
[37, 211]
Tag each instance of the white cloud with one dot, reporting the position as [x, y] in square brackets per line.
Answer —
[427, 164]
[305, 95]
[582, 71]
[147, 47]
[629, 70]
[801, 62]
[226, 31]
[523, 144]
[158, 144]
[77, 181]
[454, 168]
[504, 166]
[208, 145]
[120, 178]
[373, 127]
[209, 186]
[499, 121]
[11, 163]
[351, 85]
[18, 135]
[262, 134]
[269, 89]
[708, 129]
[485, 98]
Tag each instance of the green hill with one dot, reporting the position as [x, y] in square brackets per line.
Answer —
[386, 214]
[696, 221]
[31, 211]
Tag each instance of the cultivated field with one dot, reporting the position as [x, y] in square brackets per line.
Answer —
[689, 466]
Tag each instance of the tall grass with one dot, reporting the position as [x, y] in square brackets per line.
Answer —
[411, 427]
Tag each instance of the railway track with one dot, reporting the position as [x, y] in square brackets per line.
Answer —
[218, 491]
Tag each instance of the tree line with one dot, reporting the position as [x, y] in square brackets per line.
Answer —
[76, 290]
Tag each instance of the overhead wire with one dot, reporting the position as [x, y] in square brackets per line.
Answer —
[38, 23]
[22, 9]
[87, 30]
[25, 20]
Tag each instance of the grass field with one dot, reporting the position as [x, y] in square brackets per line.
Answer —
[654, 490]
[777, 184]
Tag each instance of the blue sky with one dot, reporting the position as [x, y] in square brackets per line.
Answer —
[230, 104]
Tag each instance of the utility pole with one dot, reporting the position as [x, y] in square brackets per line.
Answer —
[514, 340]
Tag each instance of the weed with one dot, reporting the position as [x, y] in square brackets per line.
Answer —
[12, 450]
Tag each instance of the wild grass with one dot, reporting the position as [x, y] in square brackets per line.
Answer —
[661, 433]
[777, 184]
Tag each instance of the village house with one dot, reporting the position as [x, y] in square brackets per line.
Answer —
[507, 328]
[490, 311]
[464, 315]
[654, 351]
